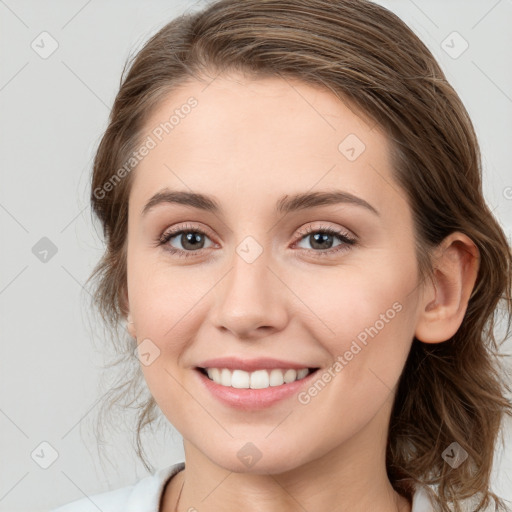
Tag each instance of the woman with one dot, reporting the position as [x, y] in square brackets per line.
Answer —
[297, 240]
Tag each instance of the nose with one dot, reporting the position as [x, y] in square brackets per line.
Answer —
[251, 300]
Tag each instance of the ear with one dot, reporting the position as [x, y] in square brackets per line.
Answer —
[456, 261]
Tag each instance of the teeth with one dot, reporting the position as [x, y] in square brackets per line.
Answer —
[259, 379]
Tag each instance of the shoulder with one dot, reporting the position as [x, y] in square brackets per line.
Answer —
[143, 496]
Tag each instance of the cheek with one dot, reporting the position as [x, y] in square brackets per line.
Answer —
[363, 316]
[168, 308]
[370, 319]
[162, 298]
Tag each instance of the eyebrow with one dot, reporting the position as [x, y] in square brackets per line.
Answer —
[284, 205]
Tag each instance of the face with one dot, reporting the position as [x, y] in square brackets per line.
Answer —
[266, 280]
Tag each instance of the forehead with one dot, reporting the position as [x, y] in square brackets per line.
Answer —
[256, 136]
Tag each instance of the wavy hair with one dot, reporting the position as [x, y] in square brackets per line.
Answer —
[454, 391]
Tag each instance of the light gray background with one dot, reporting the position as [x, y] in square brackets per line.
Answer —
[53, 112]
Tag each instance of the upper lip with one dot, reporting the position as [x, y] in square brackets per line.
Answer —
[249, 365]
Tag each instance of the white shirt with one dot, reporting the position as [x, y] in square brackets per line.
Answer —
[145, 495]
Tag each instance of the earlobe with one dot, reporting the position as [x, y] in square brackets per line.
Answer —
[445, 300]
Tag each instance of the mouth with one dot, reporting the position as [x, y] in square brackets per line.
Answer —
[257, 390]
[259, 379]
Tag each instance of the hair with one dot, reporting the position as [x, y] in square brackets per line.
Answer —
[454, 391]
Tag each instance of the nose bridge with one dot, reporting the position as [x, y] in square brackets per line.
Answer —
[249, 297]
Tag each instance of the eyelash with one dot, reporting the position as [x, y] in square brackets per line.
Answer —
[346, 240]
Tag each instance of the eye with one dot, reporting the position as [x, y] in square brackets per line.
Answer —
[321, 239]
[189, 239]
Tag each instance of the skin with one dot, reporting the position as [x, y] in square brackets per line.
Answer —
[247, 143]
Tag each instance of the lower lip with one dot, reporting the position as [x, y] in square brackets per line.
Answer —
[249, 399]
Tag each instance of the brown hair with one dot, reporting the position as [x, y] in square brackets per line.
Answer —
[448, 392]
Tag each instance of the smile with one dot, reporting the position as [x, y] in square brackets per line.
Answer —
[259, 379]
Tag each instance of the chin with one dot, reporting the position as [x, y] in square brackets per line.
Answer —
[259, 457]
